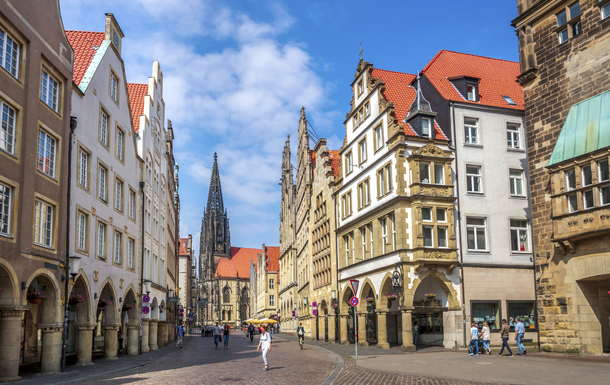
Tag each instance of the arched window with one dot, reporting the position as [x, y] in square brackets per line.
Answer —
[223, 315]
[229, 316]
[226, 295]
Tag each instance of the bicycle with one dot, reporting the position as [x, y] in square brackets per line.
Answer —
[301, 341]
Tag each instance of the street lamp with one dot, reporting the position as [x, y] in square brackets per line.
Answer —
[147, 286]
[333, 294]
[74, 266]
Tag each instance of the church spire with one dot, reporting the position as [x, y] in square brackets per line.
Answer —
[215, 195]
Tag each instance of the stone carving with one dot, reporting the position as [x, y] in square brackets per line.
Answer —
[569, 246]
[95, 278]
[437, 255]
[121, 285]
[430, 150]
[435, 191]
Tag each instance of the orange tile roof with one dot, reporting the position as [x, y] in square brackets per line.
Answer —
[498, 77]
[273, 258]
[137, 92]
[85, 46]
[335, 161]
[399, 91]
[238, 264]
[182, 248]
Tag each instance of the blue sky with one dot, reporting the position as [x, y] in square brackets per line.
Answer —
[238, 71]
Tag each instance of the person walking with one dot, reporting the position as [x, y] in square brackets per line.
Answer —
[226, 332]
[265, 343]
[179, 334]
[301, 334]
[519, 332]
[504, 332]
[415, 332]
[486, 332]
[251, 332]
[217, 332]
[474, 339]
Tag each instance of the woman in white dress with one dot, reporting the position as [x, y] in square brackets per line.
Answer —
[265, 343]
[486, 337]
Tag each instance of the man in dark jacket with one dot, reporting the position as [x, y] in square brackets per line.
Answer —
[504, 332]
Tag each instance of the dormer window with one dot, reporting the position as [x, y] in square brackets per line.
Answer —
[425, 128]
[471, 91]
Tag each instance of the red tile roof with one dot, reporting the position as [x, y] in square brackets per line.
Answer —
[238, 264]
[273, 258]
[137, 92]
[335, 161]
[399, 91]
[497, 78]
[85, 46]
[182, 248]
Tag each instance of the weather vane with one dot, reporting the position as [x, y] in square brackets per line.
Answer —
[361, 51]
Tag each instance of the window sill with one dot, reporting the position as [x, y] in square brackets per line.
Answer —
[6, 236]
[475, 193]
[473, 145]
[519, 150]
[478, 251]
[520, 253]
[44, 246]
[518, 196]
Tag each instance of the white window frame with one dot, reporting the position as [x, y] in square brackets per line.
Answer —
[572, 201]
[520, 232]
[517, 181]
[348, 163]
[445, 230]
[513, 136]
[362, 149]
[605, 10]
[471, 178]
[378, 132]
[156, 224]
[426, 130]
[582, 171]
[120, 139]
[429, 211]
[83, 168]
[271, 284]
[393, 223]
[118, 243]
[363, 236]
[7, 130]
[382, 184]
[439, 169]
[114, 87]
[49, 90]
[43, 223]
[103, 135]
[367, 109]
[6, 201]
[426, 166]
[81, 228]
[47, 153]
[346, 239]
[471, 96]
[444, 211]
[271, 300]
[476, 228]
[602, 201]
[132, 204]
[384, 235]
[9, 58]
[100, 243]
[131, 244]
[600, 170]
[569, 173]
[118, 194]
[102, 180]
[471, 131]
[586, 196]
[429, 228]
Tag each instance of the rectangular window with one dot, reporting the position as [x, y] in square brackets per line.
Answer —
[425, 128]
[156, 224]
[9, 53]
[355, 120]
[6, 195]
[388, 172]
[441, 232]
[441, 215]
[7, 133]
[572, 203]
[102, 182]
[393, 222]
[43, 224]
[587, 176]
[382, 183]
[587, 199]
[516, 182]
[473, 179]
[384, 235]
[486, 312]
[604, 172]
[83, 168]
[524, 310]
[360, 87]
[471, 90]
[132, 204]
[155, 277]
[428, 237]
[439, 174]
[605, 11]
[348, 163]
[47, 148]
[117, 247]
[271, 284]
[378, 137]
[519, 235]
[118, 195]
[512, 136]
[370, 227]
[361, 115]
[162, 222]
[101, 240]
[361, 192]
[81, 227]
[426, 214]
[114, 88]
[130, 250]
[571, 179]
[367, 109]
[476, 233]
[362, 151]
[346, 240]
[424, 172]
[363, 236]
[471, 131]
[49, 90]
[148, 215]
[120, 138]
[271, 300]
[562, 18]
[563, 36]
[104, 128]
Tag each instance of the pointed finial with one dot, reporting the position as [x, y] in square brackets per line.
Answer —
[418, 92]
[361, 51]
[215, 157]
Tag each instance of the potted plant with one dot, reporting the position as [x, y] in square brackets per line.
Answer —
[102, 303]
[127, 307]
[392, 297]
[369, 299]
[75, 299]
[35, 297]
[430, 296]
[335, 306]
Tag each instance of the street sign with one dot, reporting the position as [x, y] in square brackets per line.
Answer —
[315, 312]
[314, 304]
[146, 299]
[203, 304]
[354, 283]
[293, 314]
[145, 310]
[172, 299]
[354, 301]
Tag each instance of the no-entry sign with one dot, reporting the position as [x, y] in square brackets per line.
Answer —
[354, 301]
[145, 310]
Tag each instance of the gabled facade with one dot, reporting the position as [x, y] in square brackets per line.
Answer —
[395, 208]
[185, 280]
[105, 209]
[267, 283]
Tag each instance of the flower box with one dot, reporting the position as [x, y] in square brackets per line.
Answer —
[102, 303]
[369, 299]
[76, 299]
[35, 297]
[430, 296]
[391, 297]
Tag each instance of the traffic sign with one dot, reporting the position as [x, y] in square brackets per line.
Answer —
[354, 283]
[314, 304]
[354, 301]
[294, 313]
[145, 310]
[146, 298]
[315, 312]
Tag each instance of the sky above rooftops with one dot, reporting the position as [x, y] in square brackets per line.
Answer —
[238, 71]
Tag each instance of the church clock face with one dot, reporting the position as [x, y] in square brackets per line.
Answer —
[219, 247]
[115, 39]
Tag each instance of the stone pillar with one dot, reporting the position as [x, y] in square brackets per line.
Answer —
[331, 328]
[145, 324]
[161, 334]
[133, 338]
[382, 329]
[50, 360]
[407, 332]
[362, 329]
[343, 330]
[10, 342]
[321, 321]
[111, 342]
[168, 329]
[152, 334]
[84, 343]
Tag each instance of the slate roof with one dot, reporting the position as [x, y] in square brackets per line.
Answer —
[399, 91]
[85, 45]
[137, 92]
[498, 77]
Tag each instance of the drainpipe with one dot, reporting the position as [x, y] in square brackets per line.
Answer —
[142, 184]
[457, 186]
[64, 341]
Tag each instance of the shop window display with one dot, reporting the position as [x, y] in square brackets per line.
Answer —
[525, 311]
[486, 312]
[429, 323]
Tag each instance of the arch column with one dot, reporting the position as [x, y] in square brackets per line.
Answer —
[111, 341]
[84, 345]
[50, 360]
[321, 328]
[331, 328]
[132, 338]
[10, 342]
[382, 329]
[145, 325]
[161, 333]
[407, 331]
[152, 334]
[362, 329]
[343, 329]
